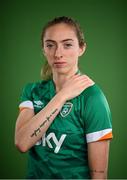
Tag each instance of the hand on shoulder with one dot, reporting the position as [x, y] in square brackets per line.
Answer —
[75, 86]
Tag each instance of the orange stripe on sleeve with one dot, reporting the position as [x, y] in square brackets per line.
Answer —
[107, 136]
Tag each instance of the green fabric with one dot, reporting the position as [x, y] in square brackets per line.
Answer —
[97, 113]
[62, 151]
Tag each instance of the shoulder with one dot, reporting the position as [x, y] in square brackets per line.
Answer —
[92, 91]
[94, 96]
[95, 101]
[33, 89]
[29, 87]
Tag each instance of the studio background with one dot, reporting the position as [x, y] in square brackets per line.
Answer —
[21, 59]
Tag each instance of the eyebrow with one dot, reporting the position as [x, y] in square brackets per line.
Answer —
[64, 40]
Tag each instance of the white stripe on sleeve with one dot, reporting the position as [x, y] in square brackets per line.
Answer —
[95, 136]
[26, 104]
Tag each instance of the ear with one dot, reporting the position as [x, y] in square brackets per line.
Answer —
[82, 50]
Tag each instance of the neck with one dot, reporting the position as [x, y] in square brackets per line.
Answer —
[60, 78]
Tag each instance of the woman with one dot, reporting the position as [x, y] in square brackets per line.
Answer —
[65, 120]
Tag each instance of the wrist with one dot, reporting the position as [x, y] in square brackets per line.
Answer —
[61, 97]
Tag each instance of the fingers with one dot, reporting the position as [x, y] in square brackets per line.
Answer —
[84, 78]
[79, 81]
[76, 85]
[84, 81]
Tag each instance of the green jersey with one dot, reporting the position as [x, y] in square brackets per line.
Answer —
[62, 151]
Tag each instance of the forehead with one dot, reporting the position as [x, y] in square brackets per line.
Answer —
[60, 31]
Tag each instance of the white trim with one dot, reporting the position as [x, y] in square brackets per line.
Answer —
[95, 136]
[28, 104]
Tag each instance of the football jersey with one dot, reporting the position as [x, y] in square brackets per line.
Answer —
[61, 153]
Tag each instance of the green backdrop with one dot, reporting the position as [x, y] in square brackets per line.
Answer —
[105, 28]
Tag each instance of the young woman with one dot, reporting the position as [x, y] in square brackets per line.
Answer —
[65, 120]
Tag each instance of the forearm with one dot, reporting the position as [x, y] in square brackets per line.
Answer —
[98, 174]
[34, 129]
[98, 159]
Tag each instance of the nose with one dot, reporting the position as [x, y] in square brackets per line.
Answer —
[58, 53]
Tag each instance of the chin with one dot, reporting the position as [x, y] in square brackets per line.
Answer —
[63, 71]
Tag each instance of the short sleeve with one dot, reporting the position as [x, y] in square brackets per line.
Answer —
[26, 98]
[97, 118]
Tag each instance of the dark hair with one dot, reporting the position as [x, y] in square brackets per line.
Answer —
[46, 71]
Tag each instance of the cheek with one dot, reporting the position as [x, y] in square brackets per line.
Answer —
[48, 57]
[72, 55]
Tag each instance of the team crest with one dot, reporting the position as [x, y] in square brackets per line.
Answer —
[66, 109]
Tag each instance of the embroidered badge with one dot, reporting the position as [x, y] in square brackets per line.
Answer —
[66, 109]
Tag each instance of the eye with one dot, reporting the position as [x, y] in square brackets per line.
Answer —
[67, 45]
[49, 45]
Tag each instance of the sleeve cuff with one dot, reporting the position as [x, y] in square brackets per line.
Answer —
[26, 104]
[99, 135]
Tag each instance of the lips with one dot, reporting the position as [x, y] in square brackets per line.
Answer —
[59, 64]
